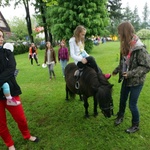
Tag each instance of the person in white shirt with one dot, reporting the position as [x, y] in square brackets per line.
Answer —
[77, 52]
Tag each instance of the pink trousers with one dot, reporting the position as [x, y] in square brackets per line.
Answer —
[18, 115]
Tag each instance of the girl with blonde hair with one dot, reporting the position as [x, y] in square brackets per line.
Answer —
[78, 53]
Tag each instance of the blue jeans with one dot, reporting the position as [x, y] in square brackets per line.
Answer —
[133, 93]
[63, 65]
[51, 70]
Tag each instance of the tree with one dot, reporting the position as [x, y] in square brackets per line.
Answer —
[145, 23]
[65, 16]
[4, 3]
[28, 19]
[114, 9]
[144, 34]
[41, 11]
[127, 13]
[133, 17]
[135, 20]
[18, 28]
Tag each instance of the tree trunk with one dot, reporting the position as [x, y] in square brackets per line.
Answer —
[28, 20]
[48, 35]
[42, 9]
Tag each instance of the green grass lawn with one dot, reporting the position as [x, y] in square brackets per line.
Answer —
[60, 125]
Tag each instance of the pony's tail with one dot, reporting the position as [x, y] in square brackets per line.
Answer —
[71, 94]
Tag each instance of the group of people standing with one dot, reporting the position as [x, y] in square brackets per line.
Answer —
[50, 57]
[133, 67]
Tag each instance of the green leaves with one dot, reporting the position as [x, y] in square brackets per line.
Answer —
[144, 34]
[90, 13]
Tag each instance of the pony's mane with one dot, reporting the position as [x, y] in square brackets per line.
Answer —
[89, 75]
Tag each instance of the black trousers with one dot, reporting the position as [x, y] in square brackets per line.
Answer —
[35, 58]
[91, 63]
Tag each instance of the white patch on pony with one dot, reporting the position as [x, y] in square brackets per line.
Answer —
[9, 46]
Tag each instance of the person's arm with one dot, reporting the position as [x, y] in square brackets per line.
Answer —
[67, 54]
[74, 52]
[45, 57]
[30, 51]
[9, 69]
[59, 54]
[143, 61]
[116, 70]
[36, 50]
[54, 56]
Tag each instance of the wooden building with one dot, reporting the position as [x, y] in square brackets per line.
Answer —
[4, 26]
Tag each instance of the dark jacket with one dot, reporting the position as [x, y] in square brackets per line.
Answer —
[7, 69]
[63, 54]
[139, 65]
[52, 56]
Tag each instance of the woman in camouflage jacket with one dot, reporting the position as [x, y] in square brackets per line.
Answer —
[132, 69]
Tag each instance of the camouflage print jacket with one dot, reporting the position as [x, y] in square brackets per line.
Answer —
[139, 65]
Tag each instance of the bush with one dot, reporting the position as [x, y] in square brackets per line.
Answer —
[88, 45]
[20, 49]
[143, 33]
[42, 46]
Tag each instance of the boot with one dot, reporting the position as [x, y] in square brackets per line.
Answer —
[118, 120]
[133, 128]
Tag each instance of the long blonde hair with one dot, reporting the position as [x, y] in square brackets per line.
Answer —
[126, 32]
[77, 32]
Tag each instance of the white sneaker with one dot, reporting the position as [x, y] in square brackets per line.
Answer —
[13, 102]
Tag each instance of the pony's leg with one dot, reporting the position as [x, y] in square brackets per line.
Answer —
[95, 107]
[86, 105]
[81, 97]
[67, 93]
